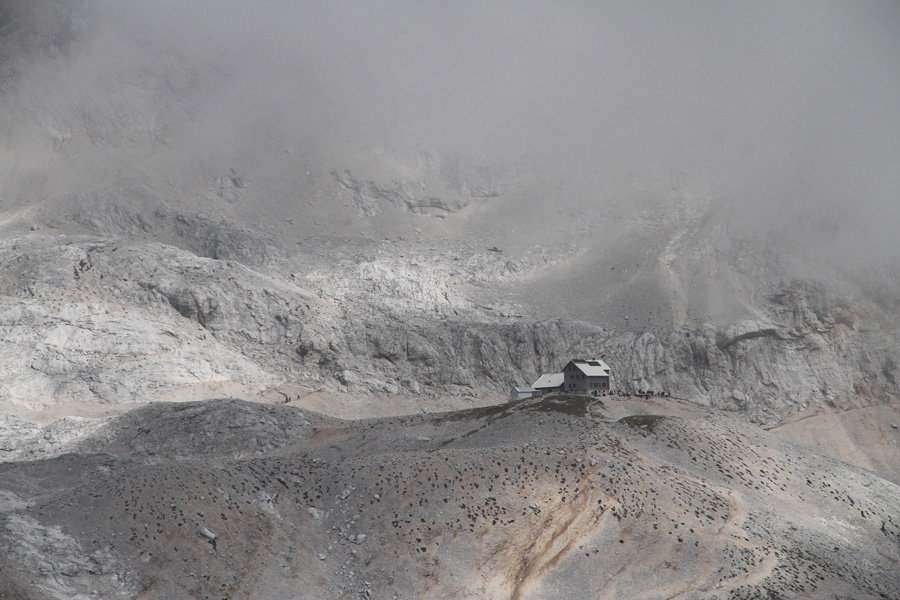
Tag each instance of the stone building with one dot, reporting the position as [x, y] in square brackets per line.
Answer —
[589, 376]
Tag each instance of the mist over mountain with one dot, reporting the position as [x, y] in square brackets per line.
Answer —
[792, 109]
[382, 210]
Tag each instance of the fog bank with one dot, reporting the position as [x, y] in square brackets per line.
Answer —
[796, 106]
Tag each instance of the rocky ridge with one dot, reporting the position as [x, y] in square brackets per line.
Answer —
[390, 325]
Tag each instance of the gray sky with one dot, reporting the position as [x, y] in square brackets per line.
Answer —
[672, 74]
[794, 102]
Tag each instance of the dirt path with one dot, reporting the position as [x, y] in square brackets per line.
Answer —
[567, 525]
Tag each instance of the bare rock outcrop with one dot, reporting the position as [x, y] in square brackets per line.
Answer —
[121, 322]
[132, 210]
[371, 198]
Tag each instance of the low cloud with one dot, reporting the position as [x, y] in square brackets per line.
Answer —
[795, 105]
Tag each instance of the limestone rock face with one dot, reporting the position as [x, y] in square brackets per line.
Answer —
[21, 439]
[112, 322]
[371, 198]
[85, 354]
[133, 210]
[116, 341]
[799, 355]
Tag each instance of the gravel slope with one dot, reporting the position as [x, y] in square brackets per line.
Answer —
[538, 499]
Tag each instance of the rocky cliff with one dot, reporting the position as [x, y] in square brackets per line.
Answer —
[99, 319]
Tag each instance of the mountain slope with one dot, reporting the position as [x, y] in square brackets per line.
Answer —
[542, 499]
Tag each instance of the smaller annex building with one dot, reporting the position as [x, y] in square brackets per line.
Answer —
[520, 393]
[549, 382]
[586, 376]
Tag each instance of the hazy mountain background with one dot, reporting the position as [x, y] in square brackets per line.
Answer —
[642, 168]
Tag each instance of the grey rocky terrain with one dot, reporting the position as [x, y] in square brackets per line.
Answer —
[197, 204]
[561, 497]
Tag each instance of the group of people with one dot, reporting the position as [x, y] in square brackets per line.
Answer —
[638, 394]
